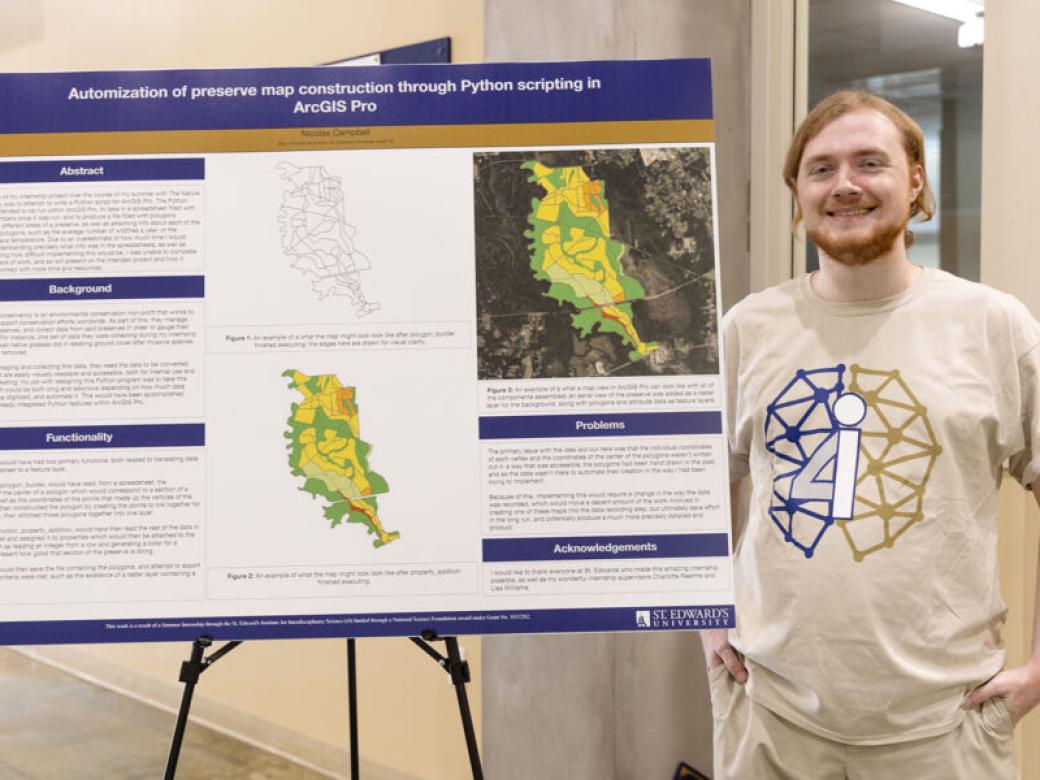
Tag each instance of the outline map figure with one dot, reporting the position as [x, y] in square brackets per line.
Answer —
[314, 230]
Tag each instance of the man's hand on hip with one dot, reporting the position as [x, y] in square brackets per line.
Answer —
[1018, 687]
[717, 650]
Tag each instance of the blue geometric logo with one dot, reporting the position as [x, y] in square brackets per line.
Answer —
[811, 427]
[858, 456]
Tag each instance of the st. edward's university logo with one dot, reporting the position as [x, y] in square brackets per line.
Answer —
[855, 455]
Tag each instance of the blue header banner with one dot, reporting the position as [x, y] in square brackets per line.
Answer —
[587, 548]
[381, 95]
[552, 426]
[169, 169]
[640, 618]
[102, 436]
[102, 288]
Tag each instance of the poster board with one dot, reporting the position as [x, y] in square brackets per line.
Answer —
[360, 352]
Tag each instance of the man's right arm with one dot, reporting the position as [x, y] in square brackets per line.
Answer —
[717, 649]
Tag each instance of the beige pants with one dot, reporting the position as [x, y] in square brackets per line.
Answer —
[751, 743]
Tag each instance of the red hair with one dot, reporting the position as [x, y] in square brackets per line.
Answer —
[845, 102]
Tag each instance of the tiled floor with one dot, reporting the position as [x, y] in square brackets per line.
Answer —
[56, 727]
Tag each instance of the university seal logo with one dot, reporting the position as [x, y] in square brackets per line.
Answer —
[852, 448]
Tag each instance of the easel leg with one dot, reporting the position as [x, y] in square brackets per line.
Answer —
[191, 670]
[189, 676]
[355, 758]
[458, 670]
[455, 662]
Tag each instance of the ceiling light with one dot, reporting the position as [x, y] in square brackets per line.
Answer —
[958, 10]
[970, 33]
[968, 12]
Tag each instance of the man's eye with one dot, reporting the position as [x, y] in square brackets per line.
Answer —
[871, 164]
[817, 170]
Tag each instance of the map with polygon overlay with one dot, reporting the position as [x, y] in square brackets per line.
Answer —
[571, 248]
[595, 262]
[315, 233]
[327, 451]
[896, 455]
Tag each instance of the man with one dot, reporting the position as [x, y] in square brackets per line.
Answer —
[873, 405]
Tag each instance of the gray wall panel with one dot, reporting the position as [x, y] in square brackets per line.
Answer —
[625, 706]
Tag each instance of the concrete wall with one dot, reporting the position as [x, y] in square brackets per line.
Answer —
[626, 706]
[1010, 247]
[516, 30]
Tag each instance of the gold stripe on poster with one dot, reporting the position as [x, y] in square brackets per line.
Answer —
[317, 138]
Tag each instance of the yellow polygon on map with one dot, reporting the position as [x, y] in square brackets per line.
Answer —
[898, 451]
[573, 250]
[326, 448]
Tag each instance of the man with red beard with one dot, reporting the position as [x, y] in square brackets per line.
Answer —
[873, 404]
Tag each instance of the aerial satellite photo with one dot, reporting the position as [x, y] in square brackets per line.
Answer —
[595, 263]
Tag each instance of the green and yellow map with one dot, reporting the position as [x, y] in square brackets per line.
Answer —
[572, 249]
[326, 448]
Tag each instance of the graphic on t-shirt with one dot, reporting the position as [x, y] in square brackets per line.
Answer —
[316, 234]
[856, 455]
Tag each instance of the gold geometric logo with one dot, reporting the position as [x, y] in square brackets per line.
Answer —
[852, 448]
[898, 451]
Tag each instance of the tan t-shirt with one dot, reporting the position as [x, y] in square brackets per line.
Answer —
[867, 593]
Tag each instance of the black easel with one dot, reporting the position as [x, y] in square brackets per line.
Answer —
[355, 750]
[458, 670]
[191, 670]
[453, 664]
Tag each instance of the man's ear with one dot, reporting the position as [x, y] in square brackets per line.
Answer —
[796, 215]
[916, 179]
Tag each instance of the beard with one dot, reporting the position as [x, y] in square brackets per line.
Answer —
[859, 250]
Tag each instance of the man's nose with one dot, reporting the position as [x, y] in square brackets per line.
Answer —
[847, 182]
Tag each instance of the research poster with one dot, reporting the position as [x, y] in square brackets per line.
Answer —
[360, 352]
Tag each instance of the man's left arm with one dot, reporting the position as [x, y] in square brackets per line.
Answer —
[1020, 686]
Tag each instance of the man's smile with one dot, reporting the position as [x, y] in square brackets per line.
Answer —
[850, 212]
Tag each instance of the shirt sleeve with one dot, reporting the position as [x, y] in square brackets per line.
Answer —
[1024, 464]
[737, 443]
